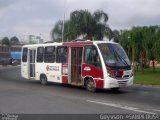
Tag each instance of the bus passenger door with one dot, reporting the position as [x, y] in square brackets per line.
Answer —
[24, 63]
[32, 63]
[76, 61]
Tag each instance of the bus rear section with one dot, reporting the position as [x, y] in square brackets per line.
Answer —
[39, 62]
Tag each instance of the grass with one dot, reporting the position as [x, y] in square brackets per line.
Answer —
[150, 77]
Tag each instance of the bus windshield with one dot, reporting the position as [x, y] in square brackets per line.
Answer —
[114, 55]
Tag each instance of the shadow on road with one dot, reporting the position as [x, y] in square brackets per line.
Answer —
[78, 88]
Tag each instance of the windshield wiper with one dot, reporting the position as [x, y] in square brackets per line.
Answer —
[124, 61]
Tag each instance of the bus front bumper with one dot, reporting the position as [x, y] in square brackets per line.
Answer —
[115, 83]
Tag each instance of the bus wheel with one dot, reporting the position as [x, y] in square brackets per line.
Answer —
[90, 85]
[43, 79]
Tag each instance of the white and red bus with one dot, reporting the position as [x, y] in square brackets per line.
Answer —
[92, 64]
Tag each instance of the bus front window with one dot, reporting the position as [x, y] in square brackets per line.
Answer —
[92, 56]
[114, 55]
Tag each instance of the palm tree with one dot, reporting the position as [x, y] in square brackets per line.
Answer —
[70, 32]
[56, 32]
[82, 23]
[91, 26]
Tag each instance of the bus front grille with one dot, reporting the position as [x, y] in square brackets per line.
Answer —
[122, 82]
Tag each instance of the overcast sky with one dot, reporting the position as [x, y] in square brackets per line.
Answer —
[24, 17]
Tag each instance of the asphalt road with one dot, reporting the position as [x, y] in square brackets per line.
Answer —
[18, 95]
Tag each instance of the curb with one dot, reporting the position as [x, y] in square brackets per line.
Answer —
[8, 66]
[142, 85]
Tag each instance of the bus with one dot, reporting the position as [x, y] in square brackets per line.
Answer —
[91, 64]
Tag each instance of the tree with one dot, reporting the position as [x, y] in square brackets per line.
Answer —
[153, 44]
[56, 32]
[5, 41]
[70, 32]
[108, 33]
[125, 41]
[143, 43]
[116, 35]
[14, 40]
[82, 23]
[139, 46]
[91, 26]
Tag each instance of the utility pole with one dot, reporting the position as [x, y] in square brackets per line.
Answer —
[63, 20]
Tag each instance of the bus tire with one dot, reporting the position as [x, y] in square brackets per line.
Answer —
[43, 79]
[90, 85]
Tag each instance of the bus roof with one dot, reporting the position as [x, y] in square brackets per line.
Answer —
[96, 42]
[72, 43]
[87, 42]
[45, 44]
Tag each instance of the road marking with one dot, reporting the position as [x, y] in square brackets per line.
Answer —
[157, 110]
[121, 106]
[154, 110]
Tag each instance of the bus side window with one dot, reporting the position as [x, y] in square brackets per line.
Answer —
[24, 54]
[40, 52]
[61, 54]
[49, 54]
[92, 56]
